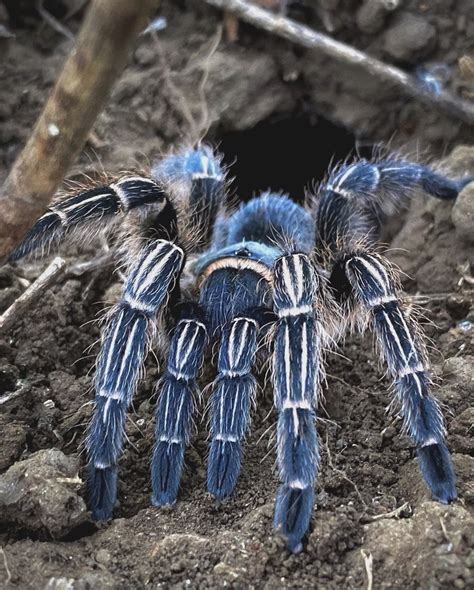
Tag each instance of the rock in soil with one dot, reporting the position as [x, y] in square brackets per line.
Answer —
[463, 213]
[409, 38]
[41, 493]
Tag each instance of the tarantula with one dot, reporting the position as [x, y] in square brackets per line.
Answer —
[292, 277]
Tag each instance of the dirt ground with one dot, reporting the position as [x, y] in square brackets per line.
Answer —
[173, 91]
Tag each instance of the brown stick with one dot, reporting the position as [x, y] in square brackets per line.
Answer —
[288, 29]
[32, 294]
[100, 53]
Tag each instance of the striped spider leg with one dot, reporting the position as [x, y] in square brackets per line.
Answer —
[357, 198]
[200, 184]
[175, 407]
[375, 293]
[125, 343]
[232, 397]
[231, 400]
[96, 208]
[297, 367]
[352, 205]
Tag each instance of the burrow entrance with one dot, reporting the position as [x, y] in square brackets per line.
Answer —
[284, 153]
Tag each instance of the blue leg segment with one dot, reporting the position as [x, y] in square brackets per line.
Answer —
[296, 371]
[230, 404]
[93, 209]
[200, 170]
[405, 355]
[175, 406]
[124, 346]
[358, 197]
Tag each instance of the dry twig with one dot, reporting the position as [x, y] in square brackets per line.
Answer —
[305, 36]
[7, 569]
[392, 514]
[14, 394]
[368, 562]
[178, 98]
[53, 22]
[33, 293]
[100, 53]
[82, 268]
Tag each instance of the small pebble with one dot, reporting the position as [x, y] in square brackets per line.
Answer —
[177, 566]
[462, 214]
[410, 38]
[103, 557]
[372, 14]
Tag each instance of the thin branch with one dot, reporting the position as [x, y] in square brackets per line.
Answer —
[205, 123]
[368, 563]
[7, 569]
[392, 514]
[53, 22]
[98, 57]
[302, 35]
[14, 394]
[32, 294]
[81, 268]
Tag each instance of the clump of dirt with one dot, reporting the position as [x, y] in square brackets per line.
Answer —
[38, 493]
[368, 469]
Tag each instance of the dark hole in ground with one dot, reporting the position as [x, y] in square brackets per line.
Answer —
[284, 153]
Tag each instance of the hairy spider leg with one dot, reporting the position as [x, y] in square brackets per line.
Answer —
[230, 404]
[353, 204]
[124, 345]
[175, 406]
[204, 190]
[199, 170]
[357, 198]
[405, 355]
[92, 209]
[152, 278]
[101, 206]
[263, 229]
[234, 295]
[296, 374]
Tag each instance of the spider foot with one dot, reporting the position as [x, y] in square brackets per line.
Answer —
[293, 514]
[437, 469]
[166, 467]
[102, 492]
[223, 467]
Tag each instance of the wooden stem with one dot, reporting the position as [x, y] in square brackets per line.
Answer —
[98, 57]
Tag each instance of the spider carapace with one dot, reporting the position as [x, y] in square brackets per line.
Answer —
[271, 275]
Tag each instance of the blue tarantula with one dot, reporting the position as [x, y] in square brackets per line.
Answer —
[291, 277]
